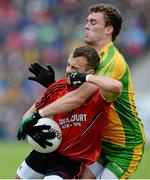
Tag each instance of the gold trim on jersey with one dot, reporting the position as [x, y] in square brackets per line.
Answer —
[114, 132]
[132, 101]
[137, 155]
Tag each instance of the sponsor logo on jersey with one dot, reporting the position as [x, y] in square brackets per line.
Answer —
[74, 120]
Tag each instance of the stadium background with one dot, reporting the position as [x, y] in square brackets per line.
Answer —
[47, 31]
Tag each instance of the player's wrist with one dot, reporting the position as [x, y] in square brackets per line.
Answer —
[36, 116]
[87, 77]
[41, 113]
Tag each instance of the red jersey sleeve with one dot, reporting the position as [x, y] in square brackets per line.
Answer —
[52, 93]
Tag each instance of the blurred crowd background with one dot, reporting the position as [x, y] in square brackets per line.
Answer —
[47, 31]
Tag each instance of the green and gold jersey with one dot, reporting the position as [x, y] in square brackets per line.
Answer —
[124, 126]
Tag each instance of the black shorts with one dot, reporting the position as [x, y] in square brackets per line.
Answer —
[53, 164]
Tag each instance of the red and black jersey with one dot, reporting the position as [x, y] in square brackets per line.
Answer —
[82, 129]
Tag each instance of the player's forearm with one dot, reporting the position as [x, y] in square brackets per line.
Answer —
[106, 83]
[70, 101]
[110, 88]
[30, 111]
[64, 104]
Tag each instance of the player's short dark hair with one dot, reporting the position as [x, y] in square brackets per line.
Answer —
[90, 54]
[112, 17]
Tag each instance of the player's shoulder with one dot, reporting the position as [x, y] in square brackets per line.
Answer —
[60, 82]
[58, 85]
[112, 55]
[119, 59]
[119, 55]
[114, 64]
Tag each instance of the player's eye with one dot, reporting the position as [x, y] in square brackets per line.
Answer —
[74, 68]
[93, 22]
[68, 64]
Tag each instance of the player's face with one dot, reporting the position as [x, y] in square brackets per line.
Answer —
[78, 64]
[95, 29]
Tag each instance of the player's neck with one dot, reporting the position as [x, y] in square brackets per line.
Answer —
[102, 44]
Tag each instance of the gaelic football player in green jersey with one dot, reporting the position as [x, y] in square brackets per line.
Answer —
[124, 138]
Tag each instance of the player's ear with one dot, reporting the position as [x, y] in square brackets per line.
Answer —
[109, 30]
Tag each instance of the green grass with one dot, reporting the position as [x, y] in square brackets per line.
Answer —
[12, 154]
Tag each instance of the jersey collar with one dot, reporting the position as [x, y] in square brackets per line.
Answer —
[103, 50]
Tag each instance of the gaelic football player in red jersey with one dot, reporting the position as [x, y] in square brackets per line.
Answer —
[82, 128]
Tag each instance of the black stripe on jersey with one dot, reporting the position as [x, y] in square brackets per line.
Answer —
[56, 88]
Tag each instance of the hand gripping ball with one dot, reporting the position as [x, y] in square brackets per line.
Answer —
[55, 141]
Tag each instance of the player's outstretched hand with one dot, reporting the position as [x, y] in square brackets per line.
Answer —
[77, 78]
[27, 124]
[38, 134]
[43, 75]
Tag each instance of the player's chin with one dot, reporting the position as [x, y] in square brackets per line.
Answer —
[88, 41]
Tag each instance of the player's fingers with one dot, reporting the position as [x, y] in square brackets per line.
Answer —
[33, 69]
[32, 78]
[49, 67]
[48, 143]
[42, 144]
[37, 66]
[48, 135]
[23, 136]
[41, 127]
[43, 135]
[18, 135]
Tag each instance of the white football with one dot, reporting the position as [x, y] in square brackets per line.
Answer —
[56, 141]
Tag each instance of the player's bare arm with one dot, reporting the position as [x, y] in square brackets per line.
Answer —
[29, 111]
[70, 101]
[109, 87]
